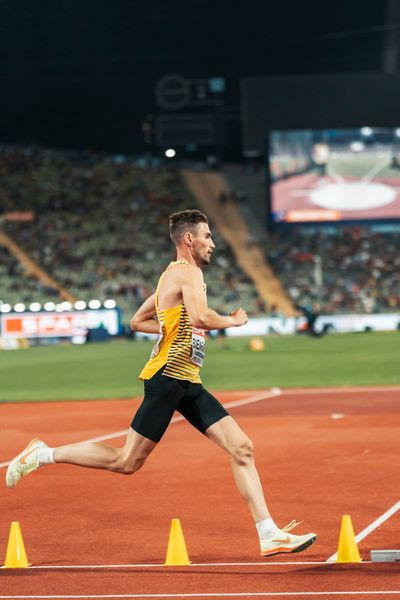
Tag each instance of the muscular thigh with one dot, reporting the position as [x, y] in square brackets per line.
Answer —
[227, 434]
[201, 408]
[161, 398]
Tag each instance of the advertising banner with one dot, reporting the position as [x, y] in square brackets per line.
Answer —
[54, 325]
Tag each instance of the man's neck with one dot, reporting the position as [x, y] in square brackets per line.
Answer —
[185, 255]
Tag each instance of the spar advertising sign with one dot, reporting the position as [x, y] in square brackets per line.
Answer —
[53, 325]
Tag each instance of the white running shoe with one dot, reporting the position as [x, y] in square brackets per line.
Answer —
[283, 541]
[26, 462]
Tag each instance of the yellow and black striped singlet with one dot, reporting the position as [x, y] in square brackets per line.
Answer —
[180, 347]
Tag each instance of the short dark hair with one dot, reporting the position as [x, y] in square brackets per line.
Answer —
[185, 220]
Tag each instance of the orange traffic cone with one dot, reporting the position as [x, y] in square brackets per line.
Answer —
[15, 555]
[347, 548]
[257, 345]
[176, 552]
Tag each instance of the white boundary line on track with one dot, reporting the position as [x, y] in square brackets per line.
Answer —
[188, 567]
[217, 595]
[340, 390]
[265, 395]
[372, 526]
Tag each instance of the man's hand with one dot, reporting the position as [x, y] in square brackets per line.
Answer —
[239, 317]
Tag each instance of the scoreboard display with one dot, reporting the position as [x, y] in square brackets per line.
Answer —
[334, 175]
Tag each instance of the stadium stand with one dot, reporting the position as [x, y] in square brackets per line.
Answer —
[34, 277]
[99, 229]
[16, 284]
[247, 185]
[360, 268]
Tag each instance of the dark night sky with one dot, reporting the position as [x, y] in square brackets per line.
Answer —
[81, 73]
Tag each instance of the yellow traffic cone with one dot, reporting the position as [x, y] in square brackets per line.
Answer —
[176, 552]
[15, 555]
[347, 548]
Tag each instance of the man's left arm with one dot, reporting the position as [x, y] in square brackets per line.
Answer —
[143, 320]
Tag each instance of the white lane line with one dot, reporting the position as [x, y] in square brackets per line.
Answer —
[220, 595]
[273, 393]
[265, 395]
[108, 436]
[162, 566]
[340, 390]
[370, 528]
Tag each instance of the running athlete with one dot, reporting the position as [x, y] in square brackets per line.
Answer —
[179, 313]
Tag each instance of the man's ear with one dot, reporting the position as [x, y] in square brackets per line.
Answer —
[188, 238]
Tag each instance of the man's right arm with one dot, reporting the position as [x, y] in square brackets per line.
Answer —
[195, 301]
[143, 320]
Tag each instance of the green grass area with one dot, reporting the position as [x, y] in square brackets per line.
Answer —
[110, 370]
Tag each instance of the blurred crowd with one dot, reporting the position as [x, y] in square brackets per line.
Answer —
[344, 270]
[100, 229]
[16, 285]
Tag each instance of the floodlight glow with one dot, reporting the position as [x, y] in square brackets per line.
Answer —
[397, 132]
[80, 305]
[357, 146]
[66, 305]
[170, 153]
[49, 306]
[94, 304]
[109, 303]
[5, 308]
[35, 306]
[366, 131]
[19, 307]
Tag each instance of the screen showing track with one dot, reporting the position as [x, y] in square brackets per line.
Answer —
[331, 175]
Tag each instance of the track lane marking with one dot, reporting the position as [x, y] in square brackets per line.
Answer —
[340, 390]
[217, 595]
[265, 395]
[162, 566]
[371, 527]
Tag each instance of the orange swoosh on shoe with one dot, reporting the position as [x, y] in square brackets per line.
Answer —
[25, 456]
[285, 541]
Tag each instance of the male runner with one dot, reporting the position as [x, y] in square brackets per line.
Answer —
[179, 313]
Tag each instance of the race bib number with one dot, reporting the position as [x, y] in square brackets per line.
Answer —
[198, 346]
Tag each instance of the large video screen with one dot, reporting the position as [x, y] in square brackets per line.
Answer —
[330, 175]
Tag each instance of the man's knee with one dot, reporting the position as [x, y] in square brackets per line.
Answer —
[128, 466]
[242, 453]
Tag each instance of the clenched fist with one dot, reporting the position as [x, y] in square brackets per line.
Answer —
[239, 317]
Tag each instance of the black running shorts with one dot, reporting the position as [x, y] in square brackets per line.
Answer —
[164, 395]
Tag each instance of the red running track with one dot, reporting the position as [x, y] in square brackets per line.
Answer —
[314, 467]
